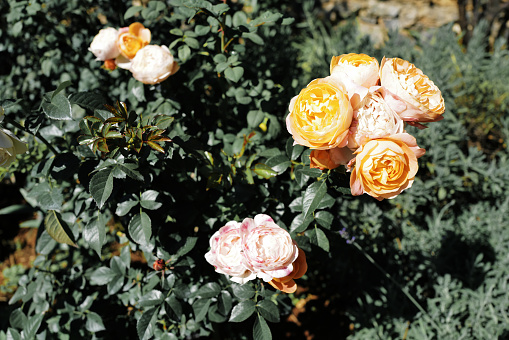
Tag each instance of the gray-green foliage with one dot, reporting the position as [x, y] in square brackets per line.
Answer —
[446, 239]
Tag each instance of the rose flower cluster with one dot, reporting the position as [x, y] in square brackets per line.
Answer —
[129, 48]
[356, 117]
[257, 248]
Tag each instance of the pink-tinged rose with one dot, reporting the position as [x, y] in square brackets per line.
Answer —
[104, 44]
[359, 68]
[410, 93]
[320, 115]
[330, 159]
[269, 250]
[374, 119]
[226, 253]
[153, 64]
[384, 167]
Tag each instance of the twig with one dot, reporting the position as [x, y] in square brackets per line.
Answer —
[37, 134]
[387, 275]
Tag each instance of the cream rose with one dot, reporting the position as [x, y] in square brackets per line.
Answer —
[153, 64]
[226, 253]
[373, 120]
[10, 146]
[320, 115]
[410, 93]
[104, 44]
[384, 167]
[360, 68]
[268, 248]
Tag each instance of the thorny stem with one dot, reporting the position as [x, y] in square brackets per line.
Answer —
[387, 275]
[37, 134]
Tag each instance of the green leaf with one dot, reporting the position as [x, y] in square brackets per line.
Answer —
[94, 323]
[148, 200]
[32, 326]
[243, 292]
[211, 289]
[324, 218]
[224, 302]
[45, 243]
[278, 163]
[132, 11]
[152, 298]
[95, 233]
[145, 325]
[59, 108]
[312, 197]
[188, 246]
[268, 310]
[239, 18]
[261, 330]
[299, 224]
[131, 170]
[58, 229]
[175, 305]
[234, 73]
[60, 87]
[101, 186]
[201, 29]
[102, 276]
[200, 309]
[318, 237]
[263, 170]
[242, 311]
[13, 334]
[254, 118]
[18, 319]
[253, 37]
[140, 228]
[88, 100]
[184, 52]
[124, 207]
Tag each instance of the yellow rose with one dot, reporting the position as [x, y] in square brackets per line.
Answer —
[360, 68]
[130, 42]
[410, 93]
[320, 115]
[384, 167]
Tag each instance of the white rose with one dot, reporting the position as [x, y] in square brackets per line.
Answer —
[104, 45]
[153, 64]
[268, 248]
[10, 146]
[374, 119]
[226, 253]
